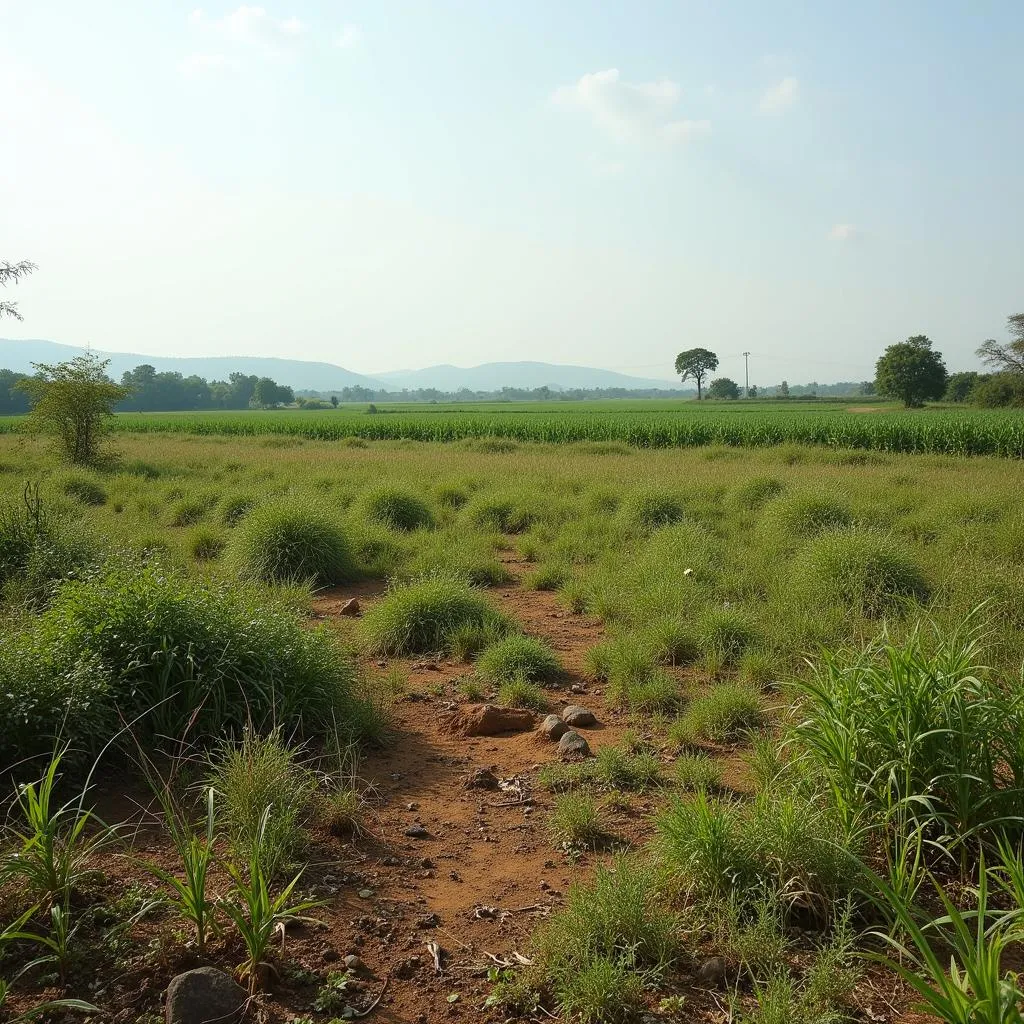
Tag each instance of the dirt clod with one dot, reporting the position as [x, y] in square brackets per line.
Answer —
[489, 720]
[350, 607]
[482, 778]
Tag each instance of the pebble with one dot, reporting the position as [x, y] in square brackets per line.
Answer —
[417, 832]
[353, 963]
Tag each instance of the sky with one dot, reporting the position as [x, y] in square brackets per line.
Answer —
[388, 185]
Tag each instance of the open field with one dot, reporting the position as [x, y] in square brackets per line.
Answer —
[652, 424]
[804, 663]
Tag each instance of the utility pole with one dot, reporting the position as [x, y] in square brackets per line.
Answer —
[746, 374]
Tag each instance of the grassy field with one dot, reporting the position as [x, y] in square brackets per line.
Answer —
[809, 657]
[654, 424]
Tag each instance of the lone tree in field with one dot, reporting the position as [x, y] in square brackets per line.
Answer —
[11, 273]
[1006, 358]
[723, 387]
[696, 363]
[912, 372]
[72, 402]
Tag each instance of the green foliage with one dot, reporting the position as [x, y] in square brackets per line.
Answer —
[206, 544]
[393, 507]
[726, 635]
[651, 509]
[289, 543]
[616, 768]
[499, 512]
[696, 364]
[234, 508]
[864, 572]
[426, 615]
[723, 388]
[999, 390]
[517, 656]
[82, 489]
[519, 693]
[170, 653]
[697, 771]
[912, 372]
[803, 515]
[575, 822]
[755, 492]
[453, 552]
[550, 576]
[72, 402]
[603, 990]
[724, 714]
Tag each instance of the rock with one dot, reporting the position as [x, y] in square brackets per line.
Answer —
[350, 607]
[428, 921]
[489, 720]
[417, 832]
[354, 964]
[578, 717]
[482, 778]
[204, 996]
[711, 973]
[553, 727]
[573, 745]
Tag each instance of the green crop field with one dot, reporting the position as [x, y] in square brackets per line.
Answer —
[642, 425]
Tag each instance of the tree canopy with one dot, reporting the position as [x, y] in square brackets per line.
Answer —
[911, 371]
[1007, 358]
[696, 364]
[723, 387]
[11, 273]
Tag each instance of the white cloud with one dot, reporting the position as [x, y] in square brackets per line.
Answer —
[348, 37]
[685, 131]
[197, 64]
[249, 28]
[842, 233]
[628, 111]
[780, 97]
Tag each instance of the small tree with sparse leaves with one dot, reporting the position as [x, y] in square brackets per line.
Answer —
[73, 402]
[11, 273]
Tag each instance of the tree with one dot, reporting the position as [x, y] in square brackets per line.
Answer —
[960, 385]
[723, 387]
[72, 401]
[867, 387]
[334, 401]
[1006, 358]
[11, 273]
[911, 371]
[696, 363]
[783, 390]
[999, 390]
[752, 391]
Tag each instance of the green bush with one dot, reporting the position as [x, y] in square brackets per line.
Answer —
[651, 508]
[803, 515]
[176, 655]
[723, 715]
[394, 508]
[867, 573]
[518, 657]
[288, 543]
[425, 616]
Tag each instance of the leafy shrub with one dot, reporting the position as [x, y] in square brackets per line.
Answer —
[726, 635]
[425, 616]
[650, 509]
[205, 544]
[288, 543]
[172, 653]
[803, 515]
[516, 656]
[395, 508]
[999, 390]
[863, 571]
[723, 715]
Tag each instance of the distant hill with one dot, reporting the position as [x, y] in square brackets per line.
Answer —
[495, 376]
[296, 373]
[326, 377]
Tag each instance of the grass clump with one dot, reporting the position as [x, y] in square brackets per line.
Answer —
[550, 576]
[519, 693]
[234, 508]
[722, 715]
[457, 554]
[264, 794]
[289, 543]
[206, 544]
[426, 616]
[516, 656]
[497, 512]
[395, 508]
[651, 509]
[575, 822]
[754, 493]
[616, 768]
[804, 515]
[174, 654]
[726, 635]
[82, 489]
[865, 572]
[697, 772]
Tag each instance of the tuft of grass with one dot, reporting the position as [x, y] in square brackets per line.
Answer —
[520, 693]
[697, 772]
[290, 543]
[724, 714]
[803, 515]
[575, 822]
[188, 511]
[395, 508]
[206, 544]
[498, 512]
[604, 990]
[865, 572]
[616, 768]
[234, 508]
[650, 509]
[265, 795]
[754, 493]
[550, 576]
[518, 657]
[426, 615]
[657, 693]
[82, 489]
[455, 553]
[726, 635]
[472, 690]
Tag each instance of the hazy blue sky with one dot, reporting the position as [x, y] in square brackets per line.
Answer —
[388, 185]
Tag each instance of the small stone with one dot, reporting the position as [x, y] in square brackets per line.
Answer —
[350, 607]
[553, 727]
[573, 745]
[354, 964]
[576, 716]
[711, 973]
[365, 894]
[204, 996]
[428, 921]
[482, 778]
[417, 832]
